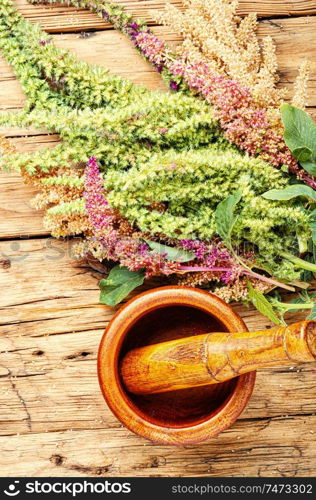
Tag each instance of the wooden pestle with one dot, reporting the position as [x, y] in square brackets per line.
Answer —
[215, 357]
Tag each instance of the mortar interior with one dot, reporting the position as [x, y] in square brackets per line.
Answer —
[185, 407]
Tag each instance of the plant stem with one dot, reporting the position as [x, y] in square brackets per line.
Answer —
[269, 280]
[189, 269]
[302, 305]
[303, 264]
[242, 271]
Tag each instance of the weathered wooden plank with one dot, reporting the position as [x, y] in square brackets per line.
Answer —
[55, 377]
[57, 19]
[294, 43]
[18, 218]
[280, 447]
[34, 266]
[294, 38]
[51, 325]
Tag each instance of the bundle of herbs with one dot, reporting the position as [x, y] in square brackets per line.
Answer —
[215, 192]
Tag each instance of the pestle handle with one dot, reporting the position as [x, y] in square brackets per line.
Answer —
[215, 357]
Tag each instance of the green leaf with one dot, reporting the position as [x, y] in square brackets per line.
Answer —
[290, 192]
[172, 253]
[300, 263]
[313, 229]
[297, 301]
[312, 215]
[120, 282]
[314, 254]
[309, 166]
[302, 154]
[263, 305]
[225, 218]
[312, 314]
[300, 136]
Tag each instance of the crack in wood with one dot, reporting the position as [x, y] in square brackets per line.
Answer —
[278, 417]
[45, 299]
[28, 375]
[90, 470]
[78, 355]
[28, 418]
[65, 332]
[272, 23]
[6, 370]
[38, 353]
[59, 460]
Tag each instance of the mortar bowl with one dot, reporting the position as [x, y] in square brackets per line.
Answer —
[185, 416]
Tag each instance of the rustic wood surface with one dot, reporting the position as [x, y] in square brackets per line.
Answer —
[53, 420]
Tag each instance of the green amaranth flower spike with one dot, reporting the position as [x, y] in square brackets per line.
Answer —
[51, 77]
[193, 183]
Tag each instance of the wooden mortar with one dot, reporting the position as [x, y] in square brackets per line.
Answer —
[176, 364]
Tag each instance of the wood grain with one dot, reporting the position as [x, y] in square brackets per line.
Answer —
[53, 420]
[51, 324]
[56, 19]
[18, 218]
[170, 313]
[277, 447]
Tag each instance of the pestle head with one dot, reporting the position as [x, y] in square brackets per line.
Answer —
[215, 357]
[311, 337]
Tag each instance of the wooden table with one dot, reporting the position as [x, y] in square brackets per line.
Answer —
[53, 420]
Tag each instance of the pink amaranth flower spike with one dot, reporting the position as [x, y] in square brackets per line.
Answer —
[244, 124]
[151, 47]
[130, 252]
[96, 204]
[213, 257]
